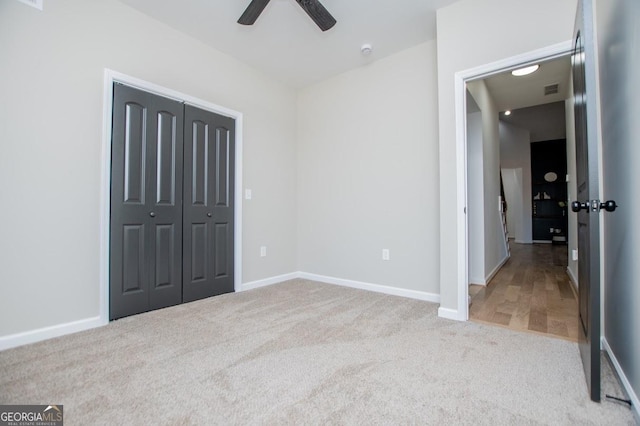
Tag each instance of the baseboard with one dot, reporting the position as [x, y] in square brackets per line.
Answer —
[394, 291]
[452, 314]
[25, 338]
[33, 336]
[269, 281]
[495, 270]
[635, 402]
[476, 281]
[572, 278]
[542, 242]
[524, 242]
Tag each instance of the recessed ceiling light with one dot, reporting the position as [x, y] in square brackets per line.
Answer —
[507, 112]
[525, 71]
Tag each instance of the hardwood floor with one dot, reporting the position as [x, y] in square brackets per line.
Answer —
[532, 292]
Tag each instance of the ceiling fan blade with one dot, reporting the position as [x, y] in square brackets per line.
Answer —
[318, 13]
[252, 12]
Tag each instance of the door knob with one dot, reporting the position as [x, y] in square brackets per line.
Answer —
[609, 206]
[209, 214]
[152, 214]
[576, 206]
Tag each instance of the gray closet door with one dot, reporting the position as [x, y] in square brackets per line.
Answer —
[208, 204]
[146, 195]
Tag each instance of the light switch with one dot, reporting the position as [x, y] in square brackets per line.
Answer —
[247, 194]
[385, 254]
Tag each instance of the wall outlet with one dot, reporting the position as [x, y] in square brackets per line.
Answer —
[385, 254]
[551, 230]
[263, 251]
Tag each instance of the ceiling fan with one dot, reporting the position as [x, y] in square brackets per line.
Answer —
[314, 9]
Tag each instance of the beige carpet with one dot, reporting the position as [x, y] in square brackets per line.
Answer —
[304, 353]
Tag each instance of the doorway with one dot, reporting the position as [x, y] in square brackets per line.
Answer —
[532, 120]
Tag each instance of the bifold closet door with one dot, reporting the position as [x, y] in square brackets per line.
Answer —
[208, 246]
[146, 208]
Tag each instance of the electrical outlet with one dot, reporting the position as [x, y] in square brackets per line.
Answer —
[263, 251]
[551, 230]
[385, 254]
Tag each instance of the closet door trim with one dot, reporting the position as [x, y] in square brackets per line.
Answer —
[111, 77]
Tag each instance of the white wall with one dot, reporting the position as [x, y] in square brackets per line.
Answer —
[512, 183]
[495, 251]
[475, 197]
[51, 84]
[515, 153]
[473, 33]
[572, 190]
[368, 173]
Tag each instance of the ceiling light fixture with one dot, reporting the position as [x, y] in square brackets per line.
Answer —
[507, 112]
[366, 49]
[525, 71]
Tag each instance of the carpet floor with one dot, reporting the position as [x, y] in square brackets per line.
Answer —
[302, 352]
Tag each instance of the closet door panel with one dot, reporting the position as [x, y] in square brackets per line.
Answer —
[208, 209]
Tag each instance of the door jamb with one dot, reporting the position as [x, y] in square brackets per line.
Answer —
[460, 80]
[111, 77]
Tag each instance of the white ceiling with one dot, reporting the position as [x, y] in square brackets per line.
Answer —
[544, 122]
[287, 45]
[511, 92]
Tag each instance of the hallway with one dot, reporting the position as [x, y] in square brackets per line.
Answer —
[532, 292]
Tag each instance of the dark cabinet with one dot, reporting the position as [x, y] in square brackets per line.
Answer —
[549, 190]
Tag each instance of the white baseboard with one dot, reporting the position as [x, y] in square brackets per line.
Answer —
[269, 281]
[635, 402]
[478, 281]
[33, 336]
[572, 278]
[452, 314]
[19, 339]
[496, 269]
[542, 242]
[378, 288]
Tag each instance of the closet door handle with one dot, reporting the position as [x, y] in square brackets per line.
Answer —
[152, 214]
[209, 215]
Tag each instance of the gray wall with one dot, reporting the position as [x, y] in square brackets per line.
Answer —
[572, 190]
[619, 60]
[473, 33]
[475, 196]
[51, 85]
[368, 173]
[495, 250]
[515, 153]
